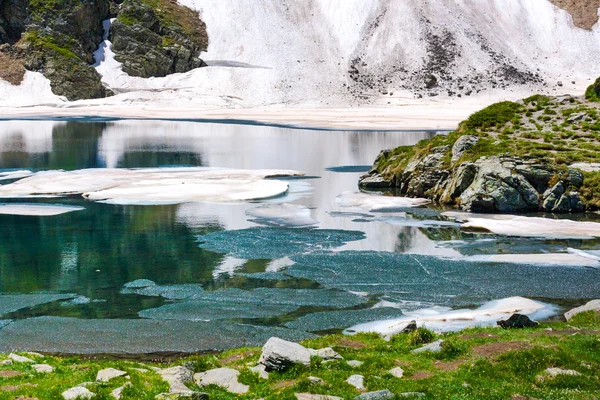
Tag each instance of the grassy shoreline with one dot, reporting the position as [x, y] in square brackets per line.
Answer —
[478, 363]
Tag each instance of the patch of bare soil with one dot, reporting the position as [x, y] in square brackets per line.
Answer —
[584, 12]
[420, 375]
[236, 357]
[353, 344]
[284, 384]
[10, 374]
[449, 366]
[11, 70]
[494, 349]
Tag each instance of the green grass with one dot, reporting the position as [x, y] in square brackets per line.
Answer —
[494, 116]
[49, 43]
[592, 93]
[480, 363]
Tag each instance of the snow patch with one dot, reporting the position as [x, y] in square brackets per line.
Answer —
[446, 320]
[373, 202]
[38, 210]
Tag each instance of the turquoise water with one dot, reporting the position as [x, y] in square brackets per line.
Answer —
[220, 275]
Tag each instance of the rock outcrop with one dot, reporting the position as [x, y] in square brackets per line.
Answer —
[152, 43]
[508, 157]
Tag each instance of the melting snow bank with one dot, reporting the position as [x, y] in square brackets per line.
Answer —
[513, 225]
[573, 258]
[446, 320]
[16, 174]
[154, 185]
[38, 210]
[374, 202]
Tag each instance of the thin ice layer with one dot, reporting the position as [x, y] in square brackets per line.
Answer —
[138, 336]
[36, 209]
[257, 303]
[444, 319]
[514, 225]
[322, 321]
[442, 281]
[154, 185]
[375, 202]
[273, 243]
[564, 259]
[14, 302]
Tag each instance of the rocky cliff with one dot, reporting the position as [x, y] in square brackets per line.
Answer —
[58, 39]
[538, 154]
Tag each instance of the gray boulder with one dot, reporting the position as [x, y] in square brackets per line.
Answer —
[434, 347]
[463, 144]
[278, 354]
[379, 395]
[226, 378]
[593, 305]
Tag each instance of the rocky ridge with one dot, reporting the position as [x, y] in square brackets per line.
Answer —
[527, 156]
[58, 39]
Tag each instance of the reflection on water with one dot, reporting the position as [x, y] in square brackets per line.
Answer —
[93, 253]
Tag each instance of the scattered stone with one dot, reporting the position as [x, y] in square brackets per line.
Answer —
[224, 377]
[107, 374]
[10, 374]
[179, 396]
[6, 362]
[43, 368]
[355, 363]
[412, 394]
[316, 381]
[397, 372]
[20, 359]
[593, 305]
[278, 354]
[177, 377]
[411, 327]
[119, 391]
[261, 371]
[559, 371]
[517, 321]
[434, 347]
[141, 370]
[309, 396]
[77, 393]
[357, 381]
[326, 354]
[88, 384]
[379, 395]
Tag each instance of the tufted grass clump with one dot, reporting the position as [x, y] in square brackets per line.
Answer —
[494, 116]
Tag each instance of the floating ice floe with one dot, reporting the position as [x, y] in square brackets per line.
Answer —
[16, 174]
[514, 225]
[375, 202]
[291, 215]
[13, 302]
[154, 185]
[446, 319]
[36, 210]
[573, 258]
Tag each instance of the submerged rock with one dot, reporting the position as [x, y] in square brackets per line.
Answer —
[518, 321]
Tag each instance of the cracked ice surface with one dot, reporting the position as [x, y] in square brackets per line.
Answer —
[154, 185]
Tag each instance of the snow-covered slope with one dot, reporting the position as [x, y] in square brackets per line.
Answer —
[357, 52]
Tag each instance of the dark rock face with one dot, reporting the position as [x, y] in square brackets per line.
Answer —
[517, 321]
[489, 184]
[151, 46]
[13, 14]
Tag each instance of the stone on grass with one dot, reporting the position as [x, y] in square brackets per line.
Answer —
[107, 374]
[180, 396]
[379, 395]
[77, 393]
[593, 305]
[517, 321]
[434, 347]
[355, 363]
[119, 391]
[260, 370]
[6, 362]
[315, 380]
[357, 381]
[310, 396]
[279, 354]
[226, 378]
[43, 368]
[411, 327]
[20, 359]
[559, 371]
[141, 370]
[177, 377]
[397, 372]
[412, 394]
[326, 354]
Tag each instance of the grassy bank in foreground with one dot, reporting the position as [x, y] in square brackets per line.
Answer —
[481, 363]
